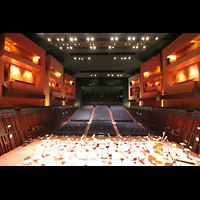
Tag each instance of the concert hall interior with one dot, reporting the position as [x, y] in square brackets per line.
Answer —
[99, 99]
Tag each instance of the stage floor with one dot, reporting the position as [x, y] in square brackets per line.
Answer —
[102, 151]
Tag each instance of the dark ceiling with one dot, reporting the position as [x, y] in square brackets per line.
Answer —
[116, 55]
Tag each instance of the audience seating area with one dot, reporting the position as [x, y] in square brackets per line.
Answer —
[83, 113]
[120, 114]
[101, 113]
[72, 128]
[131, 128]
[105, 127]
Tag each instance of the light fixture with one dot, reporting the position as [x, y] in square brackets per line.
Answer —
[142, 38]
[88, 39]
[74, 58]
[75, 39]
[129, 38]
[129, 58]
[133, 47]
[92, 39]
[71, 39]
[108, 74]
[90, 47]
[144, 47]
[62, 39]
[88, 58]
[156, 38]
[114, 58]
[60, 47]
[58, 39]
[94, 47]
[112, 38]
[136, 47]
[9, 126]
[116, 38]
[147, 38]
[109, 47]
[133, 38]
[49, 39]
[112, 75]
[70, 47]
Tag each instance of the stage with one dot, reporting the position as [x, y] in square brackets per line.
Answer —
[53, 150]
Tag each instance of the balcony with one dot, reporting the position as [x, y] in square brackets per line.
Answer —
[22, 89]
[184, 86]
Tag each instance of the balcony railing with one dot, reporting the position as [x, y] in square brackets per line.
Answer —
[194, 79]
[20, 55]
[184, 55]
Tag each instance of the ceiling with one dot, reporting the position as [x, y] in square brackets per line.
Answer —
[116, 55]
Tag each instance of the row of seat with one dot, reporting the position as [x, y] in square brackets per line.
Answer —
[83, 113]
[101, 113]
[120, 114]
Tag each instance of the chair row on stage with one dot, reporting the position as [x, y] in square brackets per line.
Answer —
[178, 127]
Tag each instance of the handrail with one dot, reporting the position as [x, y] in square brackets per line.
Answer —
[20, 55]
[184, 55]
[194, 79]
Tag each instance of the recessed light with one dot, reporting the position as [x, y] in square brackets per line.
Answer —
[133, 38]
[112, 38]
[75, 39]
[60, 47]
[88, 39]
[144, 47]
[116, 38]
[142, 38]
[147, 38]
[108, 74]
[49, 39]
[71, 39]
[92, 39]
[58, 39]
[156, 38]
[129, 38]
[74, 58]
[62, 39]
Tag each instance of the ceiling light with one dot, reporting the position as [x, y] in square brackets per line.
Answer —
[75, 39]
[60, 47]
[62, 39]
[109, 47]
[74, 58]
[71, 39]
[58, 39]
[112, 38]
[144, 47]
[116, 38]
[136, 47]
[147, 38]
[114, 58]
[124, 58]
[67, 47]
[117, 74]
[88, 58]
[92, 39]
[95, 75]
[70, 47]
[129, 38]
[49, 39]
[156, 38]
[133, 47]
[108, 74]
[113, 47]
[94, 47]
[112, 74]
[90, 47]
[91, 75]
[133, 38]
[88, 39]
[120, 74]
[129, 58]
[142, 38]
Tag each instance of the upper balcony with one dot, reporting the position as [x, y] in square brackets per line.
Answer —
[16, 49]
